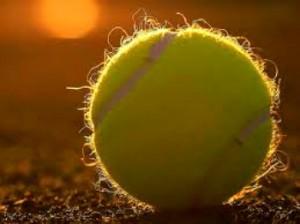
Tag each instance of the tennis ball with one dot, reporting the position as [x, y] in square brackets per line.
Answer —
[181, 118]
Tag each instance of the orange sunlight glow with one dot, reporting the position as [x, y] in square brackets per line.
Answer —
[68, 18]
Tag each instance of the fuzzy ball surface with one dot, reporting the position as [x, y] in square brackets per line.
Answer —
[181, 118]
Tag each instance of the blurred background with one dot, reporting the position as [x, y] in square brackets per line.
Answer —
[47, 45]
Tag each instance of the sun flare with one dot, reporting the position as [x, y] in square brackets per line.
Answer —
[68, 18]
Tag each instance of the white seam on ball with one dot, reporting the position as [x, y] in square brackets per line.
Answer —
[251, 126]
[155, 52]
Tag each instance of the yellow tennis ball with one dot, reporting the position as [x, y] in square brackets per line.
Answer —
[181, 118]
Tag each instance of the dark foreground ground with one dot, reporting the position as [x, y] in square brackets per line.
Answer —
[40, 184]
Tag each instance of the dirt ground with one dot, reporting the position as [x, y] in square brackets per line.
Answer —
[40, 184]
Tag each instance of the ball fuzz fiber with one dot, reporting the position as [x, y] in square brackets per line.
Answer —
[181, 118]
